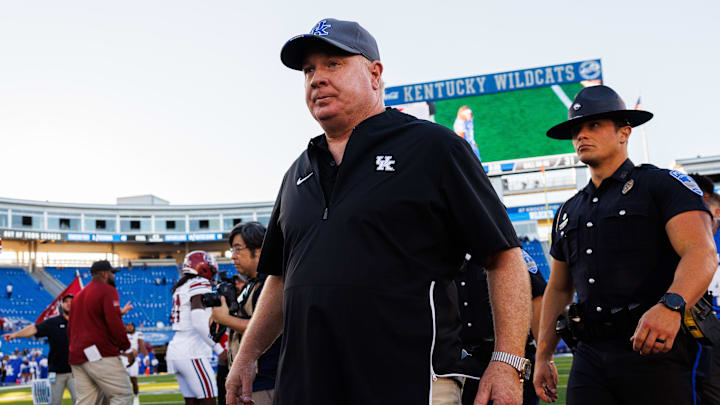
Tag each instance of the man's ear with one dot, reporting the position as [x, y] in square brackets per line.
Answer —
[376, 70]
[625, 134]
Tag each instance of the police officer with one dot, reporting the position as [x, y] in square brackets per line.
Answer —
[478, 334]
[636, 246]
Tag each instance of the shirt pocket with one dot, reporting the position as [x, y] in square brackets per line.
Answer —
[626, 228]
[569, 240]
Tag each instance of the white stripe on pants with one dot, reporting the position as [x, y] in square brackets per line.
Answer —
[106, 376]
[195, 377]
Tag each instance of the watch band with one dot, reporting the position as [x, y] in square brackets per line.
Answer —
[520, 364]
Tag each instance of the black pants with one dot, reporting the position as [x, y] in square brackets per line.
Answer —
[611, 373]
[222, 372]
[708, 376]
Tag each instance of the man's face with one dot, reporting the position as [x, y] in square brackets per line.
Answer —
[66, 304]
[246, 261]
[130, 328]
[596, 140]
[338, 88]
[110, 278]
[466, 114]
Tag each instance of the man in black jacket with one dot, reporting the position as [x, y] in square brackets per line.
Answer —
[55, 329]
[368, 232]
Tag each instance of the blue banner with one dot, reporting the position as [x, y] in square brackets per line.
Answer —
[533, 212]
[494, 83]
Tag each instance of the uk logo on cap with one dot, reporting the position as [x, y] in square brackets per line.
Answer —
[321, 28]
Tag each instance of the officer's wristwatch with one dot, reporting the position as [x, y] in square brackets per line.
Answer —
[674, 302]
[522, 365]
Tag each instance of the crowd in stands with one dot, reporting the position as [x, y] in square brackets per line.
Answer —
[20, 366]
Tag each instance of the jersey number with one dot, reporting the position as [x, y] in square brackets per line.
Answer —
[175, 314]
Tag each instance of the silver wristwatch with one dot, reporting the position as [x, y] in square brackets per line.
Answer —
[522, 365]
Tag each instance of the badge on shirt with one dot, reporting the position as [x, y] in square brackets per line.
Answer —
[563, 224]
[628, 186]
[686, 181]
[530, 262]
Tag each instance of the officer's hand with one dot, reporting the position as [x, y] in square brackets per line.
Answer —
[9, 336]
[222, 313]
[656, 330]
[546, 380]
[238, 385]
[501, 384]
[223, 356]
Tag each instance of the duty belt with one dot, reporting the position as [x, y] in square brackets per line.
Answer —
[619, 325]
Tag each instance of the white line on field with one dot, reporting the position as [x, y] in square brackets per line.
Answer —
[561, 95]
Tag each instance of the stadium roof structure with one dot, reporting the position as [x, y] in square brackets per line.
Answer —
[137, 219]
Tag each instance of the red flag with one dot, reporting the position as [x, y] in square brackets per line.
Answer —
[53, 309]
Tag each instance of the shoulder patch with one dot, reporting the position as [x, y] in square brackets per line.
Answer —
[532, 266]
[686, 181]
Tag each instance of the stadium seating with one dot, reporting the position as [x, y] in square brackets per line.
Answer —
[535, 249]
[142, 286]
[29, 299]
[228, 268]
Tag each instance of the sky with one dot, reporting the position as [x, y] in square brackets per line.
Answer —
[189, 101]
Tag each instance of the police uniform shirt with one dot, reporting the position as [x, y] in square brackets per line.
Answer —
[368, 270]
[475, 309]
[613, 237]
[55, 329]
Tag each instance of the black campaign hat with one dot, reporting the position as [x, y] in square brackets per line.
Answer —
[597, 102]
[348, 36]
[102, 265]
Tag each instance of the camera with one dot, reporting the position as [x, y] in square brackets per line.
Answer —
[224, 289]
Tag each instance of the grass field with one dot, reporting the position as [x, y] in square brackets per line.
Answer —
[159, 390]
[163, 389]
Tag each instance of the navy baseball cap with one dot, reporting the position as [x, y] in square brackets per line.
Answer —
[102, 265]
[347, 36]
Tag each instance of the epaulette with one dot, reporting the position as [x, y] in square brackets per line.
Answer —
[646, 166]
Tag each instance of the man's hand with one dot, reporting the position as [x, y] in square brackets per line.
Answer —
[656, 330]
[128, 306]
[9, 336]
[239, 382]
[546, 380]
[501, 384]
[223, 356]
[222, 313]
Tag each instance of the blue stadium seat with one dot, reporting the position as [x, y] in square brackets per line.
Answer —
[28, 300]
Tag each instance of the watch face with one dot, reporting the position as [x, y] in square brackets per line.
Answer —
[527, 370]
[674, 301]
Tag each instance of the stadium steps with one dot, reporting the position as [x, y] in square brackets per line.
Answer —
[49, 283]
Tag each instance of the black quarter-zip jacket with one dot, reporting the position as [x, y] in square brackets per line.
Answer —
[370, 308]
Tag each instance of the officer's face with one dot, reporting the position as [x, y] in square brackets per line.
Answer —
[339, 88]
[597, 140]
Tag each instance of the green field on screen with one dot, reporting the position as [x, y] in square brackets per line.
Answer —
[512, 125]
